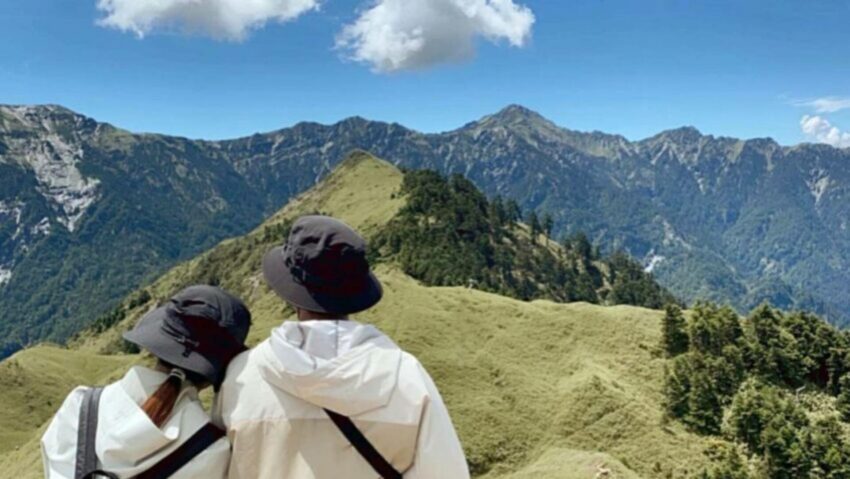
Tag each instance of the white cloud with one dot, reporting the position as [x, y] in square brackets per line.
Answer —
[819, 129]
[222, 19]
[394, 35]
[830, 104]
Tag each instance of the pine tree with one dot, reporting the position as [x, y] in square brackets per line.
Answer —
[534, 224]
[674, 337]
[581, 245]
[775, 352]
[513, 211]
[584, 289]
[842, 402]
[677, 387]
[548, 224]
[705, 407]
[730, 464]
[496, 212]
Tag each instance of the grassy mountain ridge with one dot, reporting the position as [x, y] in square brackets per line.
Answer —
[537, 389]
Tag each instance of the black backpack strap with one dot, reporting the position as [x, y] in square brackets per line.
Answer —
[87, 434]
[98, 473]
[363, 446]
[204, 438]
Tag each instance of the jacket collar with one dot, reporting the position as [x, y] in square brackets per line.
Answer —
[140, 383]
[121, 417]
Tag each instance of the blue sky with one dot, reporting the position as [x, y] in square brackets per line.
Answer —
[744, 69]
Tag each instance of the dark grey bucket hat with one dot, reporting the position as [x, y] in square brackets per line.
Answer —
[323, 268]
[200, 329]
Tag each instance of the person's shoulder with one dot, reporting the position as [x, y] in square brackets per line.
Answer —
[247, 358]
[242, 380]
[244, 367]
[65, 420]
[74, 399]
[414, 376]
[410, 361]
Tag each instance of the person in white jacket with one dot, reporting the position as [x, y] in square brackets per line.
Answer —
[150, 416]
[326, 397]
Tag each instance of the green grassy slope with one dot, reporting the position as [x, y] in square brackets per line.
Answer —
[34, 381]
[537, 389]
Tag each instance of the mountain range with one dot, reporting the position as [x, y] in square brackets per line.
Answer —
[89, 211]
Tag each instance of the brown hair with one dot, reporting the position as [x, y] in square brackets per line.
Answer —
[159, 406]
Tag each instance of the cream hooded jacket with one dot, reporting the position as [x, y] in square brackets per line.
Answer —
[128, 442]
[273, 398]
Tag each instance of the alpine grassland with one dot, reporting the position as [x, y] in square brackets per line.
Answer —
[536, 388]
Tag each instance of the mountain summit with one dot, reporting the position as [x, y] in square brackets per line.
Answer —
[519, 120]
[513, 114]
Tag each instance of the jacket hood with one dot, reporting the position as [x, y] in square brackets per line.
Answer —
[344, 366]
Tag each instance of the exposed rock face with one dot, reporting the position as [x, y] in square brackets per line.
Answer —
[40, 139]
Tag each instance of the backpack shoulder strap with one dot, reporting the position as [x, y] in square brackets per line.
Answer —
[200, 441]
[363, 446]
[87, 433]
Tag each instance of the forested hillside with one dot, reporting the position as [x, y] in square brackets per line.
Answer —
[449, 234]
[88, 211]
[776, 385]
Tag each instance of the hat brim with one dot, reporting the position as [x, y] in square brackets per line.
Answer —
[148, 334]
[281, 281]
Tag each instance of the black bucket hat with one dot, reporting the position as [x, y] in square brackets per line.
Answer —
[323, 268]
[200, 329]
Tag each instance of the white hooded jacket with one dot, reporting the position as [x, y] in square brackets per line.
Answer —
[128, 442]
[273, 402]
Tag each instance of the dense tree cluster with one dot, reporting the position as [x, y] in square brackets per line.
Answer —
[113, 317]
[774, 384]
[450, 234]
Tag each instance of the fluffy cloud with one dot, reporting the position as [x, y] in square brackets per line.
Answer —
[395, 35]
[829, 104]
[819, 129]
[223, 19]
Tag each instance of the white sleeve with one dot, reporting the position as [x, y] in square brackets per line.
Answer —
[59, 442]
[439, 454]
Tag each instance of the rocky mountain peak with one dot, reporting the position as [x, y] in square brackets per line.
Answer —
[517, 120]
[45, 118]
[517, 113]
[514, 116]
[680, 136]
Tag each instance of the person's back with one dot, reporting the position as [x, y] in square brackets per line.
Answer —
[128, 442]
[277, 399]
[150, 423]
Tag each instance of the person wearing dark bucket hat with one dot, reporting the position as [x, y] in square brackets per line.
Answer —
[200, 330]
[322, 268]
[294, 404]
[151, 424]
